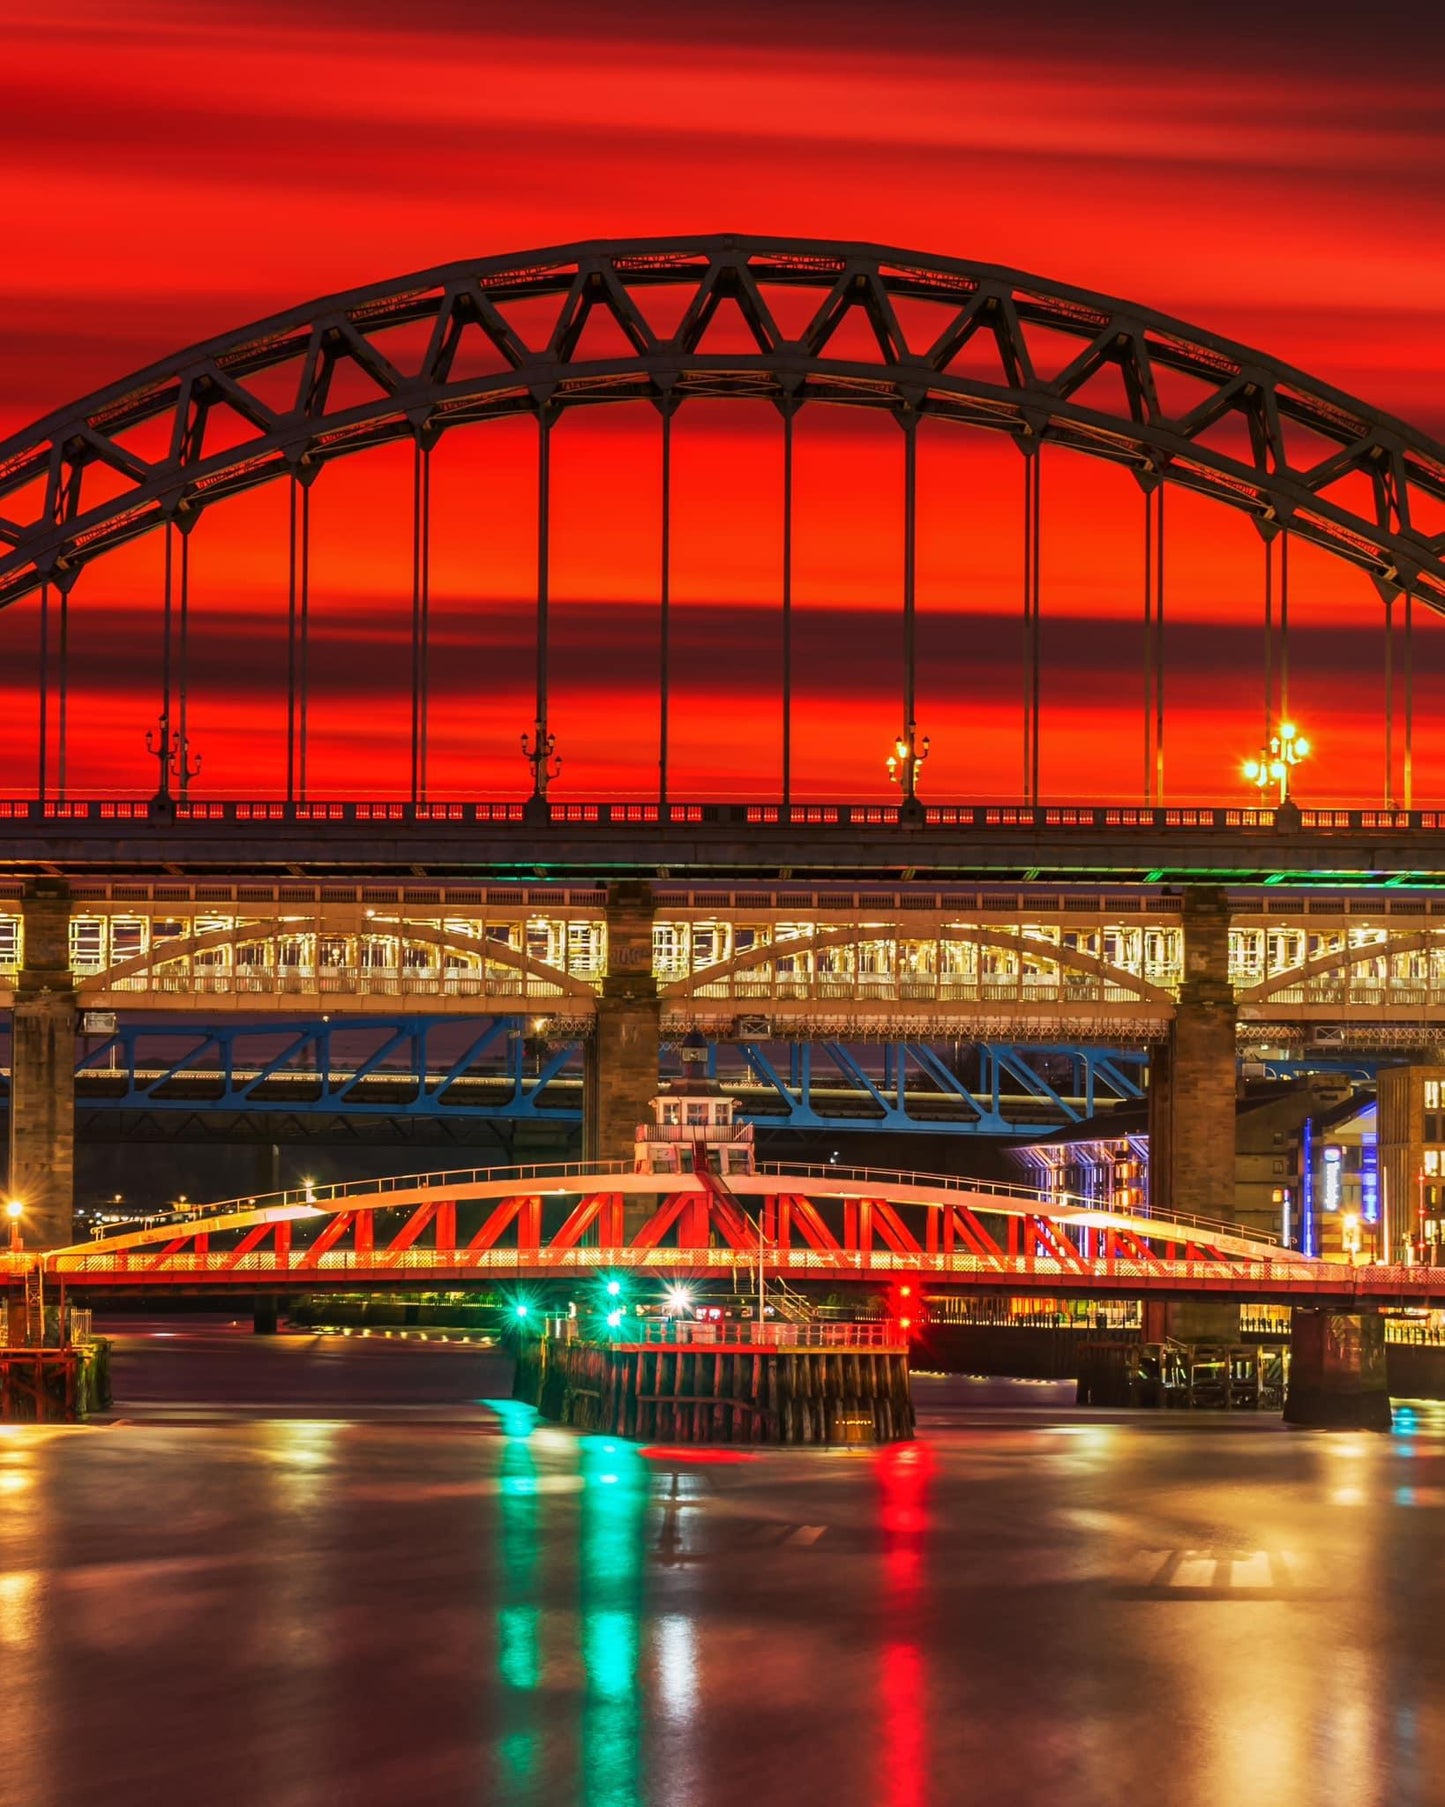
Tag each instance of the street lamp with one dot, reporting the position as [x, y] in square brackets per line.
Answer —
[1277, 759]
[905, 762]
[539, 749]
[15, 1210]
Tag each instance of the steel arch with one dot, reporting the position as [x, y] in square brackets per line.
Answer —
[80, 450]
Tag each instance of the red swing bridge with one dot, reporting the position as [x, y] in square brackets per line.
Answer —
[808, 1225]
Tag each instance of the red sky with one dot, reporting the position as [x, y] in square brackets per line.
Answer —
[170, 171]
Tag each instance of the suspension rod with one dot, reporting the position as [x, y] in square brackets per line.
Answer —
[1284, 625]
[1159, 593]
[665, 606]
[1268, 641]
[42, 775]
[291, 618]
[167, 613]
[789, 410]
[910, 582]
[544, 563]
[1389, 702]
[1148, 647]
[1032, 492]
[420, 614]
[62, 699]
[303, 702]
[1409, 798]
[183, 664]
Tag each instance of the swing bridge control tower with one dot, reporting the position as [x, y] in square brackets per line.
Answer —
[777, 1376]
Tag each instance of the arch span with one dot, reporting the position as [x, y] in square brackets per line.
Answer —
[1070, 959]
[167, 953]
[1297, 977]
[882, 328]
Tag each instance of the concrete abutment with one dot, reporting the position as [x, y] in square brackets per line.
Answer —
[1337, 1378]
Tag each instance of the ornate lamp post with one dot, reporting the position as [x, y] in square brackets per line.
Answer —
[172, 753]
[1277, 760]
[538, 749]
[905, 762]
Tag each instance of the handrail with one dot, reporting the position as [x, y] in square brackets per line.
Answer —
[1292, 1273]
[262, 815]
[954, 1182]
[678, 1332]
[301, 1200]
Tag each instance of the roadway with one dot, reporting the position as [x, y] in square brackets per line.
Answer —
[1067, 845]
[316, 1570]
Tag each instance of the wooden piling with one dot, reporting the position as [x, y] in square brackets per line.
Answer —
[729, 1393]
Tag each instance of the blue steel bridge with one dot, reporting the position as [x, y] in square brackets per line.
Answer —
[160, 1078]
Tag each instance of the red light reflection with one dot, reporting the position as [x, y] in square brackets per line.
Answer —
[903, 1479]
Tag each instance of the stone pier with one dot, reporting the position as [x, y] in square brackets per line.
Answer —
[1337, 1377]
[620, 1062]
[1192, 1083]
[42, 1073]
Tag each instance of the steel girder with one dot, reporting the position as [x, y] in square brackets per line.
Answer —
[886, 328]
[425, 1069]
[903, 1086]
[571, 1222]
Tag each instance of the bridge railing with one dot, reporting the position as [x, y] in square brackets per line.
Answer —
[145, 1267]
[883, 1179]
[688, 1333]
[301, 1200]
[262, 816]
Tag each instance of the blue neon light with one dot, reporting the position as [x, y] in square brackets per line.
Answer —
[1307, 1190]
[1370, 1181]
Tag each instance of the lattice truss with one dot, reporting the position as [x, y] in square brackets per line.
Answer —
[571, 1220]
[663, 320]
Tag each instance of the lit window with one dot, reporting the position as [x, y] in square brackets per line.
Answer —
[1432, 1094]
[1432, 1160]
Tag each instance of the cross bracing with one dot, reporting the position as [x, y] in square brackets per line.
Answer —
[900, 330]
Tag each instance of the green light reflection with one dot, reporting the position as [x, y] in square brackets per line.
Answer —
[519, 1650]
[614, 1505]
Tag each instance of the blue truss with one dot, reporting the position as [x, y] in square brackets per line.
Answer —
[910, 1086]
[489, 1068]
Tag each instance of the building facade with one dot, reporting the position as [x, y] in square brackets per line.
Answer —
[1412, 1161]
[1304, 1166]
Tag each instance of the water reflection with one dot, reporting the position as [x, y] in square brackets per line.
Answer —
[519, 1654]
[903, 1472]
[614, 1502]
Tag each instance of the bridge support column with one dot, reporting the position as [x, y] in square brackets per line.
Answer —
[1192, 1077]
[266, 1314]
[42, 1070]
[1337, 1371]
[620, 1062]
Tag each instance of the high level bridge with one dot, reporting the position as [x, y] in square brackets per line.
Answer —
[1148, 920]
